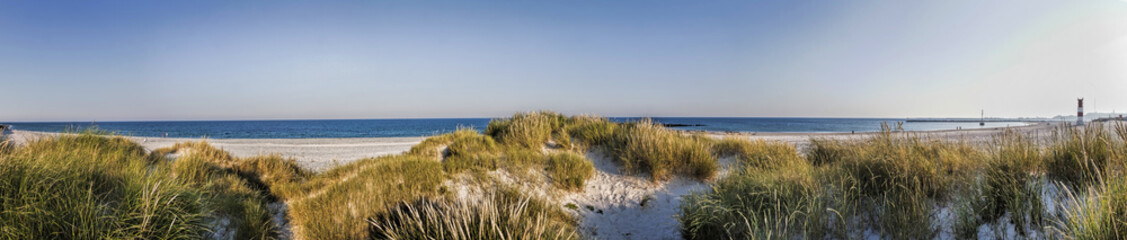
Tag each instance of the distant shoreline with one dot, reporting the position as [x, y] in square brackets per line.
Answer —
[333, 129]
[322, 153]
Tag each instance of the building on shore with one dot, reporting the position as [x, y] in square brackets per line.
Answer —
[1080, 112]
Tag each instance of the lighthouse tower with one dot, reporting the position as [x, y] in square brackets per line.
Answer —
[1080, 112]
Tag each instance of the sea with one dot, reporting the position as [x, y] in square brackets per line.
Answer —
[366, 128]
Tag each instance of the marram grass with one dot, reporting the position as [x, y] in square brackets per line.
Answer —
[505, 214]
[899, 186]
[646, 147]
[569, 171]
[85, 187]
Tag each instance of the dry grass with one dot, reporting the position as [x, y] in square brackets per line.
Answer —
[646, 147]
[338, 203]
[436, 147]
[1009, 184]
[85, 186]
[889, 183]
[642, 147]
[1101, 213]
[759, 154]
[199, 190]
[193, 190]
[90, 186]
[506, 214]
[893, 185]
[758, 200]
[593, 131]
[893, 181]
[1098, 208]
[234, 187]
[530, 130]
[1082, 156]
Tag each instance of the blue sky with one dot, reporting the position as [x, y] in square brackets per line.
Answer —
[154, 60]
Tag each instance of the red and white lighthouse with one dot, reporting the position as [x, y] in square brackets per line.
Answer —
[1080, 112]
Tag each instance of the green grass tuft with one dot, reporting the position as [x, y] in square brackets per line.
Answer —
[756, 203]
[759, 154]
[646, 147]
[1101, 213]
[1081, 156]
[594, 131]
[569, 171]
[529, 130]
[1009, 185]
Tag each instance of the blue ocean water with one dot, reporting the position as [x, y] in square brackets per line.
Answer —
[427, 127]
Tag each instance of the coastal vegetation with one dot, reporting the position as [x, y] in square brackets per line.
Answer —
[87, 187]
[468, 184]
[900, 186]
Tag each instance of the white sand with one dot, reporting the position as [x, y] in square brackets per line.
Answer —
[313, 153]
[610, 206]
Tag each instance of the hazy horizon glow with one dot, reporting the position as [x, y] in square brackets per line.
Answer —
[219, 60]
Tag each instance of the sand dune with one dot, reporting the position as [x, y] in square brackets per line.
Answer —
[615, 200]
[323, 153]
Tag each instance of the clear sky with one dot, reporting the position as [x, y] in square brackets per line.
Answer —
[155, 60]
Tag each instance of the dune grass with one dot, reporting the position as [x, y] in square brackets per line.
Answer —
[1009, 186]
[368, 198]
[5, 144]
[1082, 156]
[88, 185]
[507, 214]
[592, 131]
[530, 130]
[642, 147]
[389, 197]
[887, 183]
[569, 171]
[893, 184]
[1100, 213]
[759, 154]
[96, 185]
[646, 147]
[240, 188]
[899, 186]
[338, 203]
[84, 187]
[770, 194]
[1098, 208]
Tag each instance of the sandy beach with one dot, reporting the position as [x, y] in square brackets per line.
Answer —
[313, 153]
